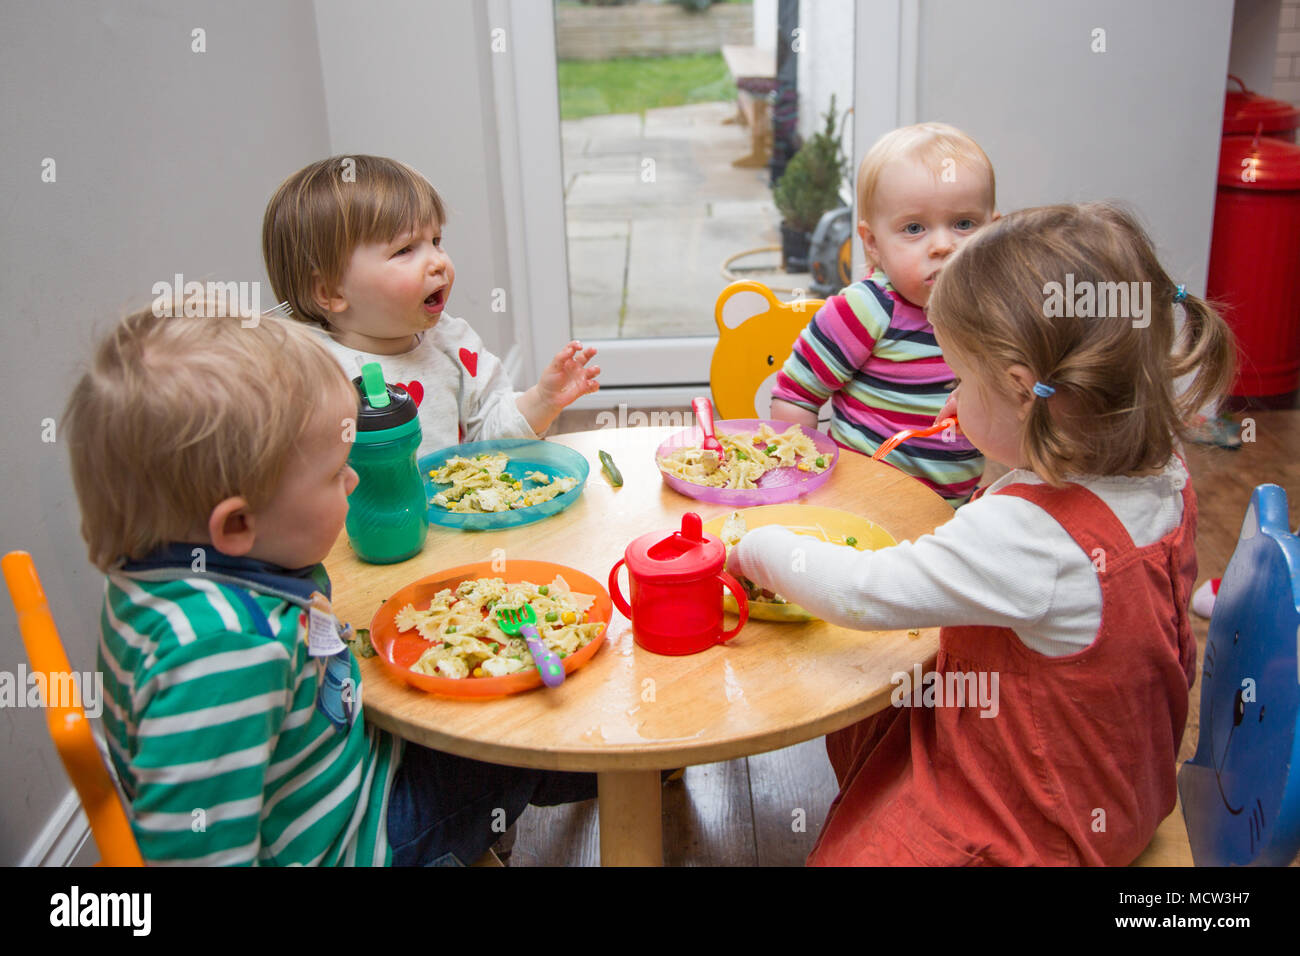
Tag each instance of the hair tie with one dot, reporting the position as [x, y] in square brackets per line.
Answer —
[1180, 294]
[1043, 391]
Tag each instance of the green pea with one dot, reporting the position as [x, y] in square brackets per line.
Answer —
[821, 462]
[742, 456]
[552, 616]
[544, 590]
[451, 628]
[771, 451]
[851, 541]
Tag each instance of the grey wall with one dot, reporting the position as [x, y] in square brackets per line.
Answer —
[164, 161]
[1139, 123]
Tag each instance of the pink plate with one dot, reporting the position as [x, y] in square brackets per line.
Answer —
[781, 484]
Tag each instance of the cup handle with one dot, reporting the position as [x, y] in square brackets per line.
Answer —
[742, 605]
[614, 591]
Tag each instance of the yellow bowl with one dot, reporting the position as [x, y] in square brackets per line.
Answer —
[824, 524]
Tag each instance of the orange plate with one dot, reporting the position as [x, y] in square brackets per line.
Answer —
[399, 650]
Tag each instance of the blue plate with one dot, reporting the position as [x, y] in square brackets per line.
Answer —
[525, 455]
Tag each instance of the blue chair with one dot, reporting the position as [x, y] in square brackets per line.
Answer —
[1240, 793]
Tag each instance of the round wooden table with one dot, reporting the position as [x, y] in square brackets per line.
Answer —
[629, 713]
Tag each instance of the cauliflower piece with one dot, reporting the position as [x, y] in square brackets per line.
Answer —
[453, 667]
[733, 529]
[501, 666]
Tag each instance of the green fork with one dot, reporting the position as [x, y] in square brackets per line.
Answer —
[516, 621]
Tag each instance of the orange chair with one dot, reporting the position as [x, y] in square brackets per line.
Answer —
[68, 726]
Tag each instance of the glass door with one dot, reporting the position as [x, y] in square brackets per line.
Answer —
[645, 138]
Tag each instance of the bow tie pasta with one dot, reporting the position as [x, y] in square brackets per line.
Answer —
[465, 641]
[481, 485]
[746, 458]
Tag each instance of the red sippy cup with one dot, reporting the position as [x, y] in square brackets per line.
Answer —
[676, 586]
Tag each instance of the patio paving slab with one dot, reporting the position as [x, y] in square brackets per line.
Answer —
[674, 272]
[659, 246]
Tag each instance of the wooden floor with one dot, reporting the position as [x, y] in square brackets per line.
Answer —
[766, 810]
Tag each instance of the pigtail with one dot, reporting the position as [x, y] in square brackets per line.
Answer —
[1206, 350]
[1046, 447]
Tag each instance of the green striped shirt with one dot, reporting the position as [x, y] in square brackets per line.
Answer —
[215, 734]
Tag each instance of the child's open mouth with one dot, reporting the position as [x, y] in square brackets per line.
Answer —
[433, 303]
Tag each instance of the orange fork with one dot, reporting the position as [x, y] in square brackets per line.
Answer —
[895, 440]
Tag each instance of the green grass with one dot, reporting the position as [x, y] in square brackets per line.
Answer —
[636, 84]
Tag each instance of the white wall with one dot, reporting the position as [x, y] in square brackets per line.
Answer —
[1139, 122]
[412, 80]
[164, 161]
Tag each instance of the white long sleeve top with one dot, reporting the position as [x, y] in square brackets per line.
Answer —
[460, 383]
[1001, 561]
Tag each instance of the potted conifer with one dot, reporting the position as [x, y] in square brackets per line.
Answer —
[809, 188]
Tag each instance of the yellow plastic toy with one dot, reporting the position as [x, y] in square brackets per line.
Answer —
[751, 351]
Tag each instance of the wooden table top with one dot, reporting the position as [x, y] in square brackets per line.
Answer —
[771, 686]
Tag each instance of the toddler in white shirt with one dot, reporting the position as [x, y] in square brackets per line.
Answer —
[354, 245]
[1066, 586]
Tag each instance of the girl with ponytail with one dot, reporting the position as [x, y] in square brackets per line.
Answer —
[1063, 590]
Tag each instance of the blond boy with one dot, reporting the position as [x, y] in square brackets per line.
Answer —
[211, 465]
[922, 192]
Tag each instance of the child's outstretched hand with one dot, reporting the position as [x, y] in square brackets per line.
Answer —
[566, 379]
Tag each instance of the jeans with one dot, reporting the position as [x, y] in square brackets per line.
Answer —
[446, 810]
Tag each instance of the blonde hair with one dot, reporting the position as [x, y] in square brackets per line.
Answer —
[1115, 410]
[321, 213]
[928, 143]
[176, 414]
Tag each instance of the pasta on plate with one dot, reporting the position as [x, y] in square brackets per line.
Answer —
[461, 626]
[481, 485]
[747, 457]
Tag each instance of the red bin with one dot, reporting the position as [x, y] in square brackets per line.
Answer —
[1246, 113]
[1255, 265]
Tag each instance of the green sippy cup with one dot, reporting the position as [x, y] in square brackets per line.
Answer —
[388, 516]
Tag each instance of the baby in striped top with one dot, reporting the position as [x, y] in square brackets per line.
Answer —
[922, 191]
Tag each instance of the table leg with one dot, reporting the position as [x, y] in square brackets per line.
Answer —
[631, 824]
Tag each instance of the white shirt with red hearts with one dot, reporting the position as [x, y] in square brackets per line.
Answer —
[461, 388]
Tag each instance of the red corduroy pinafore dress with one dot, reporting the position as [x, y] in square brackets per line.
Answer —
[1078, 765]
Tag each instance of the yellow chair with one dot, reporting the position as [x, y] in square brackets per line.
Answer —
[750, 352]
[67, 721]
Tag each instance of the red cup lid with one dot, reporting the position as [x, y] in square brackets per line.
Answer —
[677, 557]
